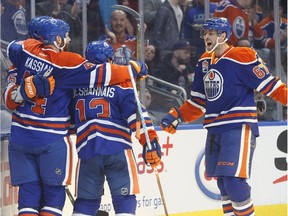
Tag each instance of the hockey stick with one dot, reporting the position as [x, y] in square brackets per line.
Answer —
[139, 109]
[71, 198]
[136, 16]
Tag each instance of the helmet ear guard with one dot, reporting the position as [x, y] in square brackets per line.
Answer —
[99, 52]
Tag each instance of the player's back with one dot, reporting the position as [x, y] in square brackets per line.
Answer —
[103, 117]
[46, 118]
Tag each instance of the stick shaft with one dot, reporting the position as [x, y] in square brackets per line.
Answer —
[70, 196]
[161, 191]
[145, 129]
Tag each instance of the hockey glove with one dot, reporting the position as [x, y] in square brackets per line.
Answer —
[37, 85]
[152, 157]
[139, 69]
[170, 121]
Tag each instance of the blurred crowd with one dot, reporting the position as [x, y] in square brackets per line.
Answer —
[172, 44]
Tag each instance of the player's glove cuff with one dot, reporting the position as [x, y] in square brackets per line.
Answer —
[170, 121]
[152, 156]
[139, 69]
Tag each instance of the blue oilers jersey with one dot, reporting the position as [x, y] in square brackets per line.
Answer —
[224, 87]
[43, 120]
[105, 118]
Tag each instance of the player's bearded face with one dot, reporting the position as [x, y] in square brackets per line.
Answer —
[210, 38]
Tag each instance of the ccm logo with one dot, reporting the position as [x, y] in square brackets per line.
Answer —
[225, 163]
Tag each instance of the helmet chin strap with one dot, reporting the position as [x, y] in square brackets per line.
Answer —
[62, 47]
[216, 45]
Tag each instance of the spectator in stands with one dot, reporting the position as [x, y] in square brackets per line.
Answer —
[175, 67]
[255, 15]
[117, 37]
[168, 25]
[131, 23]
[13, 22]
[234, 11]
[266, 26]
[193, 20]
[60, 9]
[150, 10]
[152, 56]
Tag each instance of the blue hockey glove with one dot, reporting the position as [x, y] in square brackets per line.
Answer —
[152, 157]
[37, 85]
[171, 120]
[139, 69]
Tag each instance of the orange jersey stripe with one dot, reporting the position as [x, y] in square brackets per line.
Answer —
[207, 121]
[107, 130]
[47, 125]
[242, 170]
[264, 91]
[133, 169]
[100, 76]
[70, 158]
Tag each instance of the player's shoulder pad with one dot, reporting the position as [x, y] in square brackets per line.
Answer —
[205, 55]
[242, 55]
[32, 46]
[68, 59]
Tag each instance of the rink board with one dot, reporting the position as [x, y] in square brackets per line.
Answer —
[186, 188]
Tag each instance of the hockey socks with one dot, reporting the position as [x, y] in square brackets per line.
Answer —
[245, 208]
[50, 211]
[27, 212]
[227, 208]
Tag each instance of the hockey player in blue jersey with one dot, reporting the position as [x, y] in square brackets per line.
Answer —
[105, 119]
[223, 90]
[40, 150]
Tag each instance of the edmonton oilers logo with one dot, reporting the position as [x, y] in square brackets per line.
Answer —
[119, 57]
[213, 84]
[206, 184]
[239, 27]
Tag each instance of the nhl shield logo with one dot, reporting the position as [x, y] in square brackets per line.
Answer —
[124, 191]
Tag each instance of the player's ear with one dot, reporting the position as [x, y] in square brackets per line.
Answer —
[59, 40]
[223, 36]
